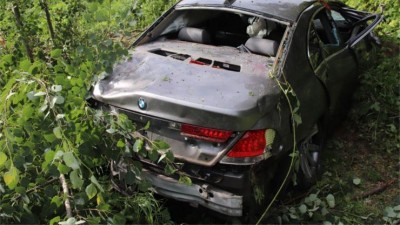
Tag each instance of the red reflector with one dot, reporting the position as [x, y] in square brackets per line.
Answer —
[252, 144]
[192, 61]
[203, 133]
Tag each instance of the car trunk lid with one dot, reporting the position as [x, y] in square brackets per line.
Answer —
[215, 87]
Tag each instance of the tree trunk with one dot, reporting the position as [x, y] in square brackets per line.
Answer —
[45, 7]
[20, 26]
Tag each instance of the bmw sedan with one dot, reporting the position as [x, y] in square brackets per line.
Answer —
[234, 87]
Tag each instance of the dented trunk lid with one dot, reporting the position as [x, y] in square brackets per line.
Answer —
[209, 86]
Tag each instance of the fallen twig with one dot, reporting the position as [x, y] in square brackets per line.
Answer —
[381, 187]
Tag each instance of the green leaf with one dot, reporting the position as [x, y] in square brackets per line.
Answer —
[76, 181]
[120, 143]
[138, 145]
[3, 158]
[356, 181]
[28, 112]
[297, 119]
[70, 160]
[60, 116]
[169, 169]
[43, 108]
[11, 178]
[55, 220]
[389, 212]
[94, 181]
[108, 42]
[160, 145]
[270, 136]
[25, 64]
[303, 209]
[41, 93]
[185, 180]
[101, 15]
[119, 219]
[57, 132]
[331, 200]
[31, 95]
[72, 221]
[313, 197]
[56, 53]
[35, 67]
[111, 131]
[91, 191]
[49, 156]
[170, 156]
[310, 199]
[63, 169]
[20, 190]
[324, 211]
[147, 126]
[56, 88]
[153, 155]
[57, 200]
[59, 100]
[58, 155]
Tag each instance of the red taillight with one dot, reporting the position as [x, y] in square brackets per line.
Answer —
[203, 133]
[252, 144]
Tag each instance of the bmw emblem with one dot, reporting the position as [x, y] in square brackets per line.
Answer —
[142, 104]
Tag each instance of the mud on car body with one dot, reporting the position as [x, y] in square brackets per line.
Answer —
[201, 76]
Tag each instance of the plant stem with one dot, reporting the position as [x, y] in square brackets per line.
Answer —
[284, 91]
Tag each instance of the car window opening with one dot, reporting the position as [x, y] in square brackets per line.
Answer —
[248, 33]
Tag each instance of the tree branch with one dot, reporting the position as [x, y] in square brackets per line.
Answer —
[67, 203]
[381, 187]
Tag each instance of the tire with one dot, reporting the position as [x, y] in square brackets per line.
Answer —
[268, 176]
[310, 150]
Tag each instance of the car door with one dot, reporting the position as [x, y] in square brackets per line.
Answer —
[335, 50]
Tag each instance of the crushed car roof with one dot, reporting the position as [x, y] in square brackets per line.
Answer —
[288, 10]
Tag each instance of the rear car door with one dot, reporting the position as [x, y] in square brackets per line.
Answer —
[337, 43]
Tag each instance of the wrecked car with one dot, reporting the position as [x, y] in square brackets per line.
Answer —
[208, 77]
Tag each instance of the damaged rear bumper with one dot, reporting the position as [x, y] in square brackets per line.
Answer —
[203, 194]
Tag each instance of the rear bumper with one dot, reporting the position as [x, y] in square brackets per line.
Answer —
[203, 194]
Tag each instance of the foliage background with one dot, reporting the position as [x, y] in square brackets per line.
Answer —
[49, 137]
[54, 150]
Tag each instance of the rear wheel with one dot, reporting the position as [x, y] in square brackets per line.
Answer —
[310, 157]
[267, 178]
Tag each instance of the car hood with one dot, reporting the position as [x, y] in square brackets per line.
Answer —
[182, 90]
